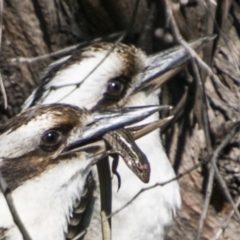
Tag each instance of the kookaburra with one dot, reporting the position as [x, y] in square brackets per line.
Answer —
[102, 76]
[45, 171]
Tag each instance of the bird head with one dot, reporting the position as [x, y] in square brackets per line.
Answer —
[46, 154]
[107, 76]
[46, 137]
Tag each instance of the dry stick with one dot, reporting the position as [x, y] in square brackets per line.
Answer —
[225, 9]
[3, 91]
[221, 182]
[206, 202]
[1, 22]
[1, 81]
[218, 175]
[225, 189]
[64, 51]
[180, 175]
[217, 24]
[8, 197]
[224, 226]
[205, 118]
[192, 53]
[209, 149]
[211, 157]
[218, 234]
[81, 234]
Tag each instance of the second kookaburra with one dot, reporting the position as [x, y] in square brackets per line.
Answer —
[126, 77]
[41, 162]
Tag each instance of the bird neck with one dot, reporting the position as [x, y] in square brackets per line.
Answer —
[45, 203]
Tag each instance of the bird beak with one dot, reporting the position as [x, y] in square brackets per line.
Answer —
[142, 130]
[99, 148]
[106, 121]
[164, 65]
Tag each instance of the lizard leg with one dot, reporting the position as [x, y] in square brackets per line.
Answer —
[115, 157]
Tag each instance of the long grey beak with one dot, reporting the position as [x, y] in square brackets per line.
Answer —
[163, 65]
[104, 122]
[142, 130]
[137, 132]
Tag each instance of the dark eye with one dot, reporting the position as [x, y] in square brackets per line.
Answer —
[115, 88]
[51, 140]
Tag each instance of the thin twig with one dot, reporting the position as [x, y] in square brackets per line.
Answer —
[224, 226]
[3, 91]
[8, 196]
[63, 51]
[80, 235]
[225, 188]
[1, 80]
[206, 202]
[180, 175]
[192, 53]
[180, 40]
[210, 157]
[208, 146]
[1, 20]
[213, 170]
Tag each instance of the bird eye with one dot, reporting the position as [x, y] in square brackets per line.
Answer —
[115, 87]
[51, 140]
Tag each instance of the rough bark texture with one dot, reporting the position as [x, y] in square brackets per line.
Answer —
[36, 27]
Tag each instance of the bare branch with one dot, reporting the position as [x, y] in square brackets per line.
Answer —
[224, 226]
[214, 168]
[1, 81]
[64, 51]
[1, 20]
[3, 92]
[203, 111]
